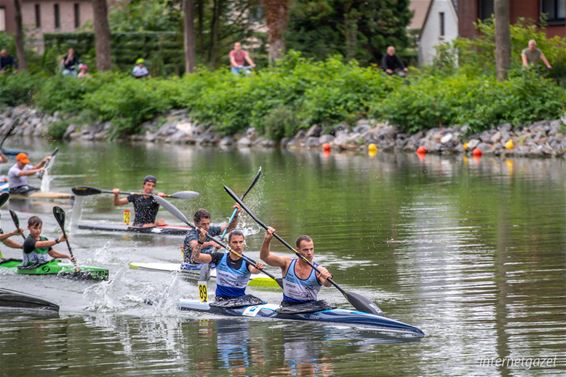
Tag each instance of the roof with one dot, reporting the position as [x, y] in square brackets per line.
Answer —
[420, 10]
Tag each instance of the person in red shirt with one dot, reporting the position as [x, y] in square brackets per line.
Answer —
[238, 59]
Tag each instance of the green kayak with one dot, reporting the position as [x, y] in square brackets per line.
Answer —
[56, 267]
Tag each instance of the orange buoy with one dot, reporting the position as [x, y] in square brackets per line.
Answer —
[326, 147]
[421, 150]
[477, 152]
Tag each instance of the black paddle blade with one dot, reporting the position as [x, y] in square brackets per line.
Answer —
[361, 303]
[172, 209]
[4, 198]
[59, 214]
[85, 191]
[15, 219]
[256, 178]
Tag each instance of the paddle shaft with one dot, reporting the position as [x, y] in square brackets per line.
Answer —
[178, 214]
[14, 124]
[48, 163]
[98, 191]
[235, 197]
[256, 178]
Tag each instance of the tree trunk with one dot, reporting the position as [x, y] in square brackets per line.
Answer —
[200, 17]
[277, 19]
[189, 35]
[20, 51]
[502, 39]
[101, 35]
[214, 32]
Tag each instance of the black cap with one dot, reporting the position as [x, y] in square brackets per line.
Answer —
[149, 178]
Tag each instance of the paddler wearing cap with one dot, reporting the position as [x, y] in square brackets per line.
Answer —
[145, 206]
[19, 172]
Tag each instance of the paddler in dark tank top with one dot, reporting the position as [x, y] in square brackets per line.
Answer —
[145, 206]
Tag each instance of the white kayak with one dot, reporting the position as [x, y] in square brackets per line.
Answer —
[258, 280]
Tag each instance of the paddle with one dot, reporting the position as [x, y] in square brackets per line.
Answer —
[3, 199]
[16, 221]
[86, 191]
[14, 124]
[178, 214]
[59, 214]
[48, 164]
[256, 178]
[358, 301]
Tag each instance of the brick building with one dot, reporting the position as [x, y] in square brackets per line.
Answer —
[469, 11]
[45, 16]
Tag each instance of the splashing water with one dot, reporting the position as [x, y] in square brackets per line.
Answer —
[45, 182]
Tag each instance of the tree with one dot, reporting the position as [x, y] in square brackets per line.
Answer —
[189, 35]
[356, 29]
[277, 19]
[101, 35]
[20, 51]
[502, 39]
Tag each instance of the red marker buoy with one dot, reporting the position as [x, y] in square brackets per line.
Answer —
[421, 150]
[326, 147]
[477, 152]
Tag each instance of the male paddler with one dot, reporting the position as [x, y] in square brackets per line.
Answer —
[301, 283]
[37, 248]
[232, 271]
[19, 172]
[145, 206]
[202, 220]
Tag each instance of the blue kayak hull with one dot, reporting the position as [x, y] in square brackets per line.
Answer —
[334, 316]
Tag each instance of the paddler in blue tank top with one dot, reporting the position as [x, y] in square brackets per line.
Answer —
[232, 271]
[301, 283]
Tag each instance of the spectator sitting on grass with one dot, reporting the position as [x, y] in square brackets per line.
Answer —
[391, 63]
[140, 70]
[83, 71]
[531, 55]
[69, 63]
[6, 61]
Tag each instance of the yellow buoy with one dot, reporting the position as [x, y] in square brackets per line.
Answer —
[509, 144]
[465, 146]
[372, 148]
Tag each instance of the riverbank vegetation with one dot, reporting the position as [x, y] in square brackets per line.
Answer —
[297, 93]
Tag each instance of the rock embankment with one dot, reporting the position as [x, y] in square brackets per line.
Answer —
[540, 139]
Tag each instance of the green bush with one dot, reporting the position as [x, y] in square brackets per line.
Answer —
[129, 102]
[57, 129]
[17, 88]
[280, 122]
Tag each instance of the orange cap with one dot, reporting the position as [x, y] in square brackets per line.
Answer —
[23, 158]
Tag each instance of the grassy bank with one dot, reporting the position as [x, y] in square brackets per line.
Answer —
[294, 95]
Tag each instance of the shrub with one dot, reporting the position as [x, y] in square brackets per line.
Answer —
[17, 88]
[57, 129]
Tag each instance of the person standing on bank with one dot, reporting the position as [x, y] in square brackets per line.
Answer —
[145, 206]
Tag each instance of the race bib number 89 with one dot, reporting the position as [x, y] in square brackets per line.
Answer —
[203, 291]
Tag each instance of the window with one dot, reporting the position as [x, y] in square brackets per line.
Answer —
[553, 11]
[77, 15]
[485, 9]
[441, 18]
[37, 8]
[56, 16]
[2, 19]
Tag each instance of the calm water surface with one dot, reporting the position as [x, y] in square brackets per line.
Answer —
[471, 251]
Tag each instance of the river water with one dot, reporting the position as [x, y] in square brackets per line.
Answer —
[472, 251]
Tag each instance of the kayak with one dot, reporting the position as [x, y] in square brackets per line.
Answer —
[20, 300]
[43, 195]
[332, 316]
[11, 152]
[170, 230]
[56, 267]
[258, 280]
[4, 187]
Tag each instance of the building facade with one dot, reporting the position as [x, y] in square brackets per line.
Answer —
[469, 11]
